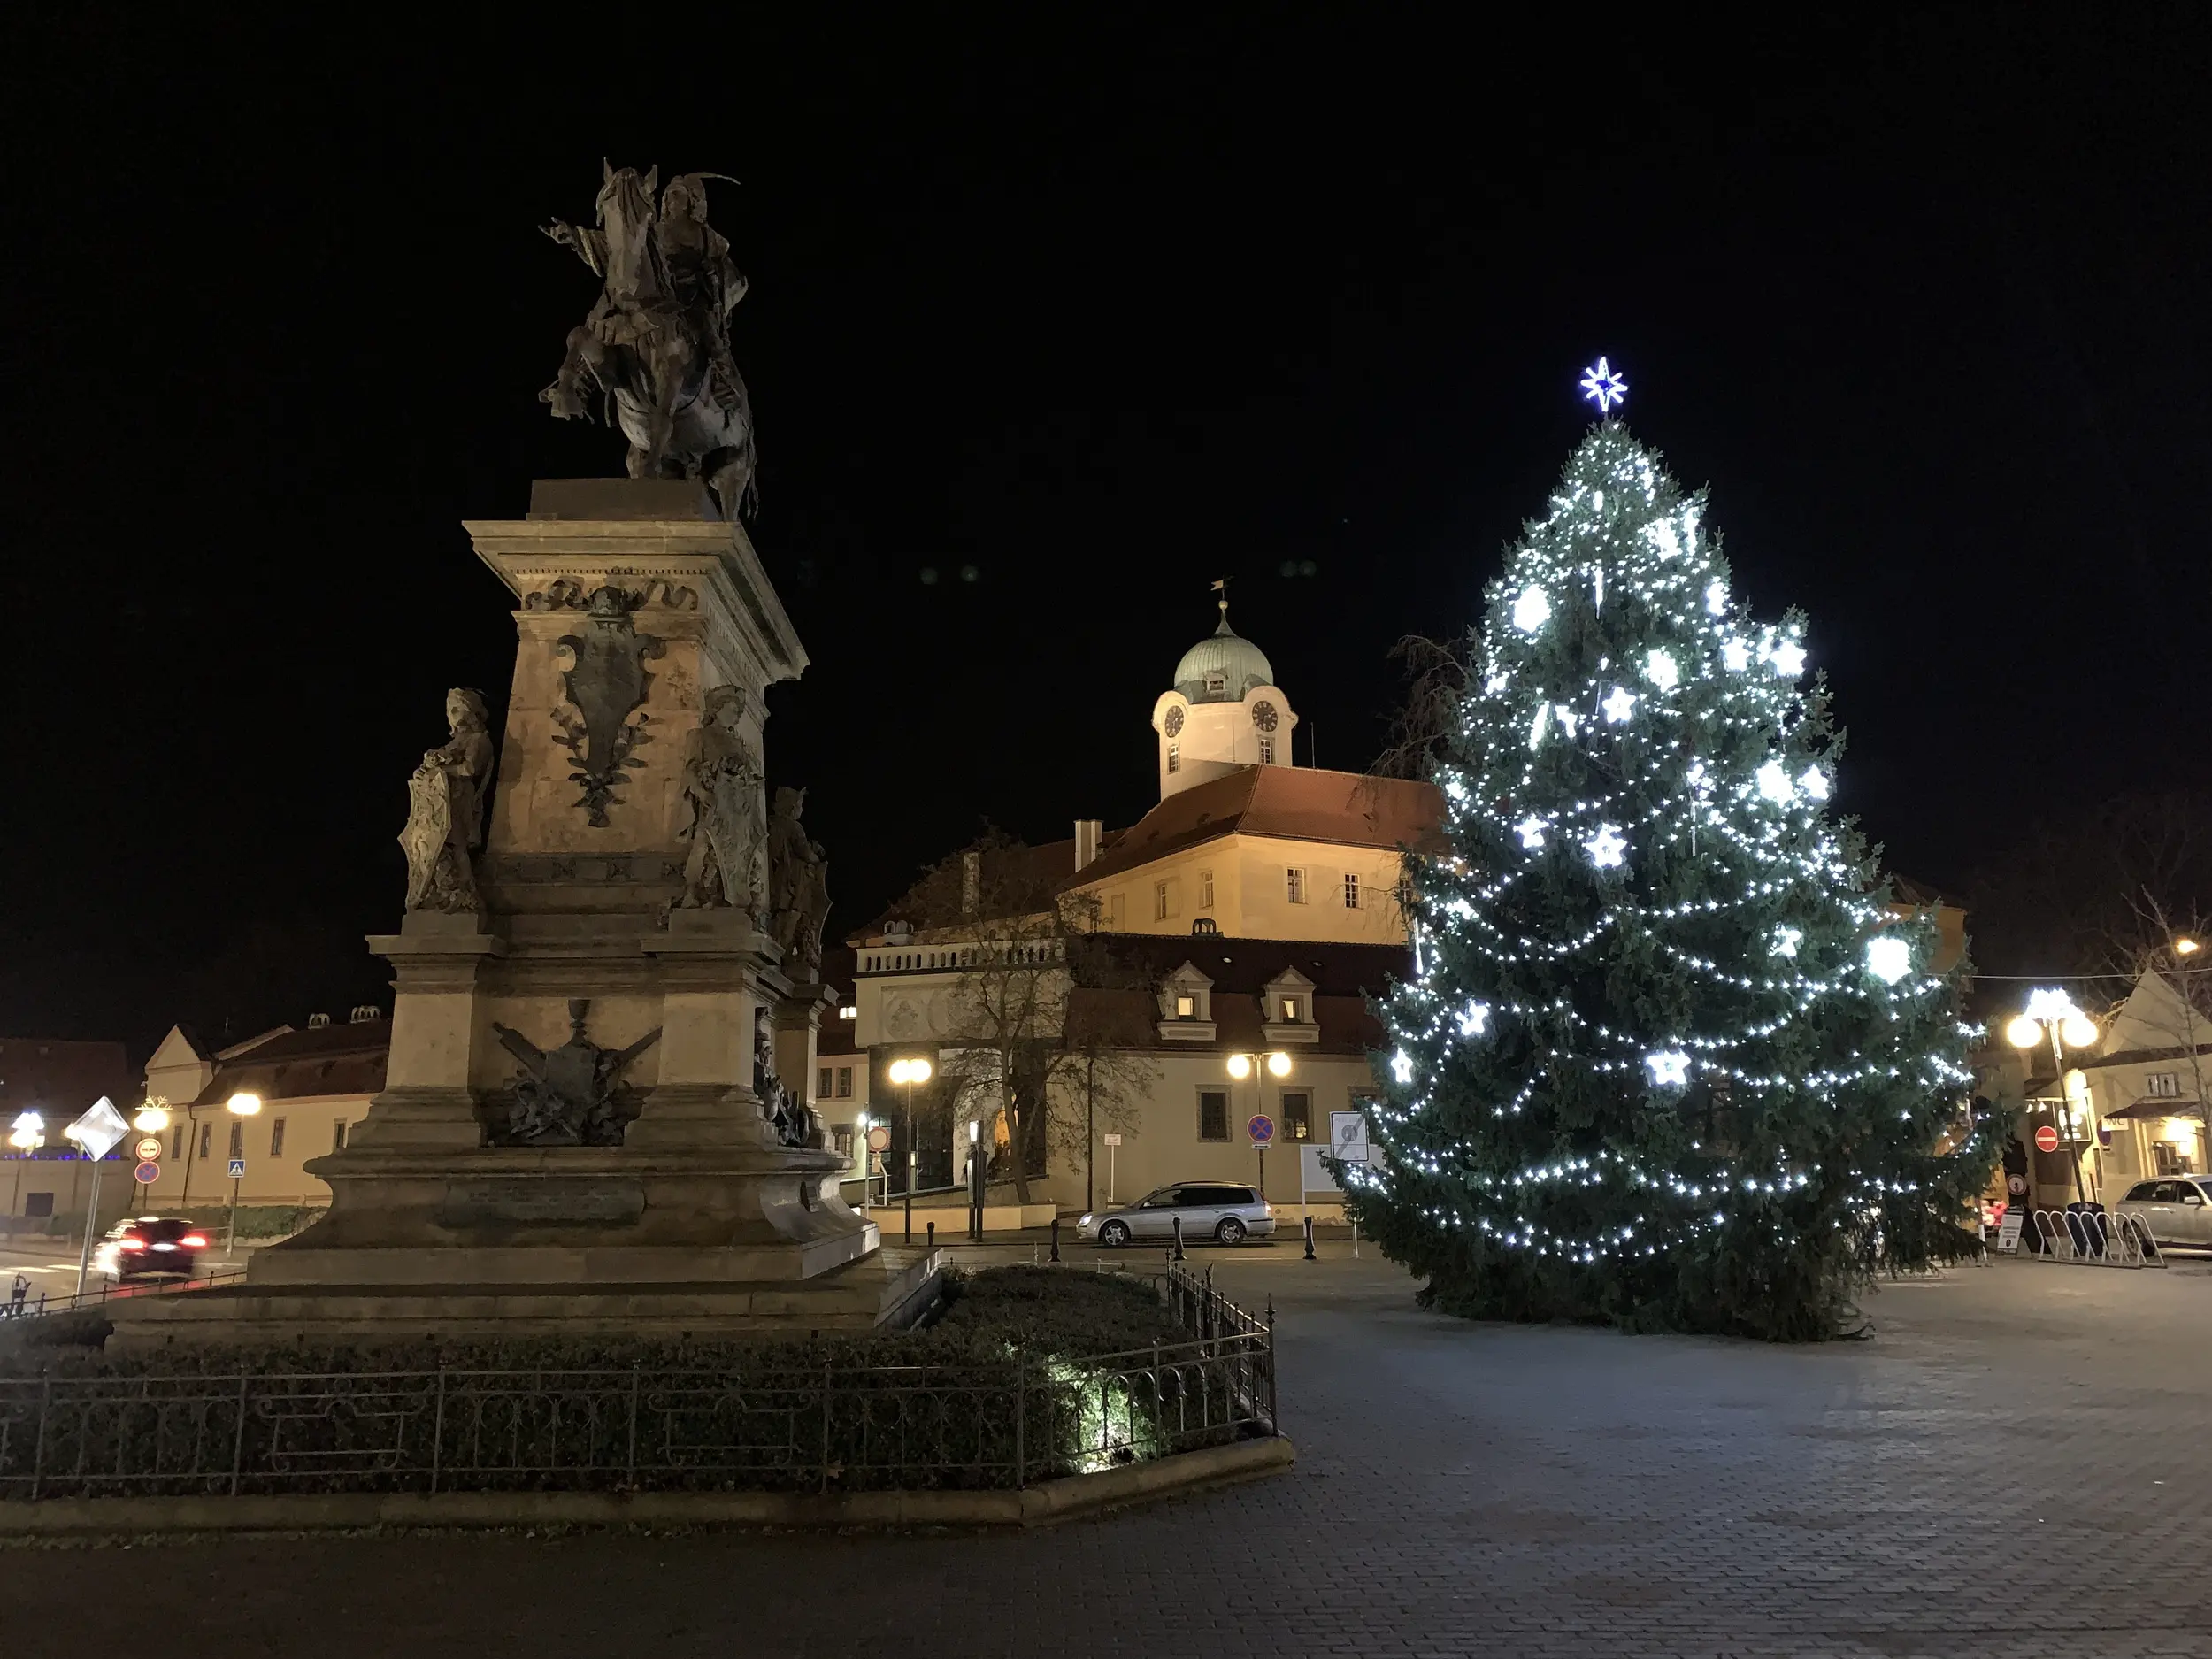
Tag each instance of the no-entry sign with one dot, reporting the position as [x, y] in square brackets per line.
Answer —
[2047, 1139]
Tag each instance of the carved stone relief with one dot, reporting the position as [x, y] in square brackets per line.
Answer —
[606, 683]
[568, 1096]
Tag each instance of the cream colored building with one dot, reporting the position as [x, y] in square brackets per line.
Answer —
[1252, 911]
[314, 1084]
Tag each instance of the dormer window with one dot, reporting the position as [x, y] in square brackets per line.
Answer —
[1217, 684]
[1186, 1005]
[1294, 1010]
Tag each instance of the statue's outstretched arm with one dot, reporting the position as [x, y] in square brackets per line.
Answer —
[590, 246]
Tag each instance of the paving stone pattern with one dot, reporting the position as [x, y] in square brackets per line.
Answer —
[2020, 1463]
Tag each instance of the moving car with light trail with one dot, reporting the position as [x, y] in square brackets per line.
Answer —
[1225, 1213]
[140, 1247]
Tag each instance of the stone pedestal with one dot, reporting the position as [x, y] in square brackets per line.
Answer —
[701, 1218]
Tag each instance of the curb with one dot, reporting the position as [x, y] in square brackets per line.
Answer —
[1069, 1498]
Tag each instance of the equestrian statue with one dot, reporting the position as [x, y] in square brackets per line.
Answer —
[654, 351]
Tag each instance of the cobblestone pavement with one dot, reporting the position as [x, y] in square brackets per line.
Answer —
[2019, 1462]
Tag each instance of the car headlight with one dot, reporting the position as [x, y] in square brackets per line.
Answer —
[1086, 1221]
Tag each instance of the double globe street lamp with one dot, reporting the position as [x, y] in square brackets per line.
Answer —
[909, 1072]
[1276, 1064]
[2052, 1014]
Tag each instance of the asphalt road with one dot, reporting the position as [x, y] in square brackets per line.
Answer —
[2019, 1462]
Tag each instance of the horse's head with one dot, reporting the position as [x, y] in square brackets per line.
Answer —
[625, 201]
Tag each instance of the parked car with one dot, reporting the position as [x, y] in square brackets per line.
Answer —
[149, 1247]
[1208, 1210]
[2177, 1208]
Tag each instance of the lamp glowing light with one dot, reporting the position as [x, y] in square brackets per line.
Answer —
[152, 1118]
[1279, 1064]
[244, 1104]
[914, 1070]
[1240, 1066]
[2022, 1032]
[2078, 1032]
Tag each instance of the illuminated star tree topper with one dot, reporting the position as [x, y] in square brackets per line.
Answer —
[1600, 386]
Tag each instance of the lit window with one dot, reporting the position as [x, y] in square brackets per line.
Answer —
[1293, 1011]
[1267, 751]
[844, 1082]
[1175, 758]
[1351, 891]
[1205, 889]
[848, 1012]
[1186, 1005]
[1297, 1115]
[276, 1139]
[1294, 885]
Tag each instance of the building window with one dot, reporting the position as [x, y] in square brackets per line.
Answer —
[207, 1141]
[1267, 751]
[1294, 885]
[1186, 1005]
[1351, 891]
[824, 1080]
[1205, 889]
[2166, 1083]
[1175, 758]
[338, 1136]
[844, 1082]
[1213, 1113]
[276, 1139]
[1294, 1010]
[237, 1140]
[1110, 913]
[1297, 1115]
[1219, 684]
[37, 1204]
[1159, 901]
[176, 1145]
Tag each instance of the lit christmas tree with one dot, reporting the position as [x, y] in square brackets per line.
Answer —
[1666, 1059]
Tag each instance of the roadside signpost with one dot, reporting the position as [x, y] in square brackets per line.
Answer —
[146, 1173]
[96, 1131]
[230, 1238]
[1113, 1150]
[150, 1148]
[2047, 1139]
[1260, 1127]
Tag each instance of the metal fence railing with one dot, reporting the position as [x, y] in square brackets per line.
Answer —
[33, 1306]
[2121, 1238]
[838, 1427]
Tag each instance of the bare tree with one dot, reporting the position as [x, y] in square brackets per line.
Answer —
[1436, 679]
[2161, 946]
[1013, 1047]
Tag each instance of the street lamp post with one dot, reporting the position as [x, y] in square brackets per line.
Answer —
[909, 1072]
[2185, 946]
[241, 1105]
[1259, 1067]
[2053, 1014]
[27, 1137]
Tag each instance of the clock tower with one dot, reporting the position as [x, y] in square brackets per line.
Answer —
[1224, 712]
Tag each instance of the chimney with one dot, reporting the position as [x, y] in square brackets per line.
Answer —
[1088, 833]
[316, 1022]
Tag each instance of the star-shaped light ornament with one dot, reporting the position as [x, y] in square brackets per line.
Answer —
[1531, 610]
[1888, 958]
[1474, 1019]
[1669, 1068]
[1788, 659]
[1717, 600]
[1785, 941]
[1736, 655]
[1618, 706]
[1600, 386]
[1401, 1066]
[1814, 782]
[1774, 783]
[1531, 830]
[1661, 670]
[1607, 847]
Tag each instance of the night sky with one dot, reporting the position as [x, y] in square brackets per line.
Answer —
[1100, 305]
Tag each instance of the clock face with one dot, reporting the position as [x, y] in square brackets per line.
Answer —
[1264, 716]
[1174, 722]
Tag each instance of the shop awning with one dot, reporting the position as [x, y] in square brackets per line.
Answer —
[2158, 1107]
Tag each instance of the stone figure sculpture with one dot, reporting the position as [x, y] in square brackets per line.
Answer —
[655, 346]
[795, 1123]
[566, 1096]
[445, 810]
[799, 883]
[721, 784]
[606, 683]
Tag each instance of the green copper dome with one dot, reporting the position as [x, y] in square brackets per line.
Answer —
[1222, 669]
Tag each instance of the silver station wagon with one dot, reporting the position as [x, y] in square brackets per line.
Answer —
[1208, 1210]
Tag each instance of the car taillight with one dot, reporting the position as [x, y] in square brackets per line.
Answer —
[133, 1244]
[193, 1242]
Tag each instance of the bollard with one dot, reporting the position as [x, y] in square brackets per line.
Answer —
[1055, 1238]
[1309, 1255]
[1179, 1238]
[932, 1238]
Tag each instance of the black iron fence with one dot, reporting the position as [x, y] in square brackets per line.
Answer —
[33, 1306]
[838, 1427]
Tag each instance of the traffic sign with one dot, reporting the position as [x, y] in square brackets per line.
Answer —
[1112, 1137]
[1261, 1128]
[146, 1173]
[238, 1169]
[149, 1149]
[99, 1129]
[2047, 1139]
[879, 1139]
[1348, 1136]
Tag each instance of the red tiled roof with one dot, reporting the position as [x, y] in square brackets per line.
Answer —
[1288, 803]
[347, 1059]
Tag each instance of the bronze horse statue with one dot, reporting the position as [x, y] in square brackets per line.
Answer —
[655, 349]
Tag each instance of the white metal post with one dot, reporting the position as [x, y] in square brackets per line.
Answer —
[91, 1221]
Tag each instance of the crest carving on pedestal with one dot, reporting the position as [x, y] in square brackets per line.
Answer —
[607, 682]
[568, 1096]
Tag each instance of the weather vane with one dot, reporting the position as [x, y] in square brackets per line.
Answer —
[1600, 386]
